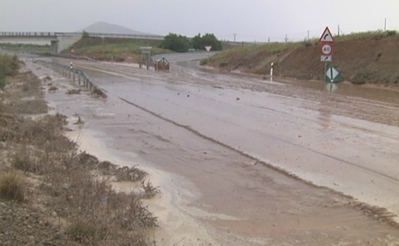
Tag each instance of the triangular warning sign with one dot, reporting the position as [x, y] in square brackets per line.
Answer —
[327, 36]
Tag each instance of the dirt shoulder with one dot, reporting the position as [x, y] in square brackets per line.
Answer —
[53, 194]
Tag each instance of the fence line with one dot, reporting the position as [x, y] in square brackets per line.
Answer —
[77, 75]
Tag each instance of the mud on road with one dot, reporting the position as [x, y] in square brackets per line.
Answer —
[227, 151]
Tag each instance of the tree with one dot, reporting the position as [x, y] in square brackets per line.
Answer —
[176, 43]
[197, 42]
[85, 34]
[208, 39]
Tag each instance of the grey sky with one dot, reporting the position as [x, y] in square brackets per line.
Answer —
[250, 19]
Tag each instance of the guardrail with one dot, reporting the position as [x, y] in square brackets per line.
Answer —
[77, 75]
[91, 34]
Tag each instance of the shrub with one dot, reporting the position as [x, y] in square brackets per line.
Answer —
[8, 66]
[12, 186]
[2, 81]
[176, 43]
[307, 43]
[149, 190]
[204, 62]
[391, 33]
[82, 232]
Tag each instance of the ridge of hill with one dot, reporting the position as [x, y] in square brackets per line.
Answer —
[103, 27]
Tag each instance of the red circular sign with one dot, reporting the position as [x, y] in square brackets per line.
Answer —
[326, 49]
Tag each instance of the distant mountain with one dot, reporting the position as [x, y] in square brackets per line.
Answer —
[103, 27]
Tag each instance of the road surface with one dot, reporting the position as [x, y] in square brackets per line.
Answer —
[247, 161]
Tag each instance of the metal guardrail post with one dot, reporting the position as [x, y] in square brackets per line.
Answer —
[77, 76]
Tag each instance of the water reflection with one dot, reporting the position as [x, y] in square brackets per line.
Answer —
[325, 107]
[331, 87]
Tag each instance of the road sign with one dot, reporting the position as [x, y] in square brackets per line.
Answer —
[327, 37]
[324, 58]
[326, 49]
[327, 45]
[333, 75]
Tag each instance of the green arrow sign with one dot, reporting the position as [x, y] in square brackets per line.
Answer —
[333, 75]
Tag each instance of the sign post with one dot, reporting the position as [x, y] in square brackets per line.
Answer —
[327, 44]
[146, 56]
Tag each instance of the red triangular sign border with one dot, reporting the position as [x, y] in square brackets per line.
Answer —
[326, 33]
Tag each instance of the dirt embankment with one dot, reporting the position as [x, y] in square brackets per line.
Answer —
[53, 194]
[362, 58]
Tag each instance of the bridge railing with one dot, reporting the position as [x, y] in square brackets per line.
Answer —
[76, 75]
[63, 34]
[127, 36]
[27, 34]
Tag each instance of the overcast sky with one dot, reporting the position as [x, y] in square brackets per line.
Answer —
[250, 19]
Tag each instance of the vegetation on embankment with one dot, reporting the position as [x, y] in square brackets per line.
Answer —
[53, 194]
[27, 48]
[8, 66]
[113, 49]
[371, 57]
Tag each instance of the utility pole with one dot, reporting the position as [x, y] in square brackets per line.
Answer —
[339, 31]
[286, 38]
[385, 24]
[235, 37]
[268, 39]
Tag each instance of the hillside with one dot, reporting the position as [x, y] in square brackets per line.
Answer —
[363, 57]
[103, 27]
[113, 49]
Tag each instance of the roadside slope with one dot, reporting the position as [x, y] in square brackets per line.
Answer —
[113, 49]
[362, 58]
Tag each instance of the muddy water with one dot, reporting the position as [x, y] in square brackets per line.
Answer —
[209, 139]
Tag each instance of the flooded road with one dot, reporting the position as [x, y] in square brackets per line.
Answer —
[229, 150]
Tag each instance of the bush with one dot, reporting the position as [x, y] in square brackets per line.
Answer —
[176, 43]
[82, 232]
[307, 43]
[12, 186]
[2, 81]
[391, 33]
[8, 66]
[204, 62]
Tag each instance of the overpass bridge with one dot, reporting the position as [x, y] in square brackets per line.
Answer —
[60, 41]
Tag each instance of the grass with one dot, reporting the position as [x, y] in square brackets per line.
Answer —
[29, 48]
[12, 186]
[113, 49]
[250, 51]
[250, 56]
[366, 35]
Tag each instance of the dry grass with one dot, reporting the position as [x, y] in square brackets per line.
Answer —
[94, 213]
[73, 92]
[250, 58]
[12, 186]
